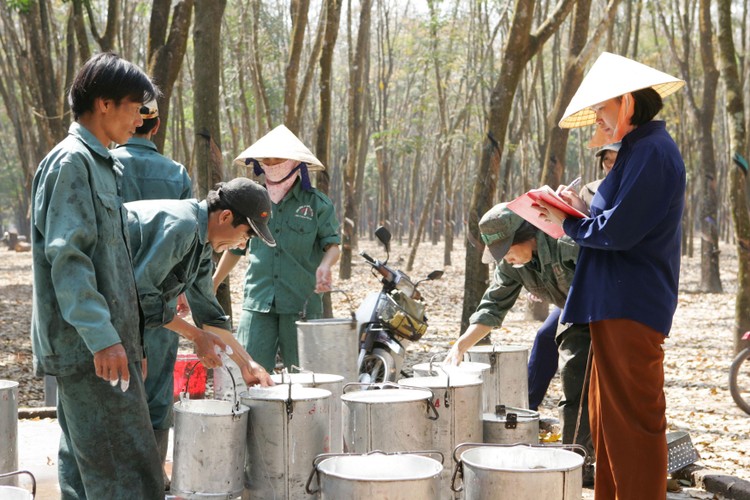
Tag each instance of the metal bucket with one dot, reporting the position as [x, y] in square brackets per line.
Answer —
[519, 472]
[14, 492]
[209, 448]
[458, 397]
[329, 345]
[329, 382]
[482, 370]
[376, 475]
[508, 382]
[9, 430]
[509, 425]
[289, 427]
[391, 419]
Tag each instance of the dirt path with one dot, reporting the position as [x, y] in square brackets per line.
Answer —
[698, 353]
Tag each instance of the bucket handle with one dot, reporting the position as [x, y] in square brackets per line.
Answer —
[189, 372]
[303, 312]
[319, 458]
[301, 370]
[15, 473]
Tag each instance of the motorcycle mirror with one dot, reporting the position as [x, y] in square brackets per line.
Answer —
[435, 275]
[384, 236]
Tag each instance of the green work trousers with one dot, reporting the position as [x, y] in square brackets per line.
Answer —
[161, 354]
[107, 446]
[573, 345]
[262, 334]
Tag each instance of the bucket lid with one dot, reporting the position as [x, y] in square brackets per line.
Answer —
[381, 468]
[442, 381]
[209, 407]
[522, 458]
[8, 384]
[307, 378]
[464, 367]
[281, 393]
[387, 396]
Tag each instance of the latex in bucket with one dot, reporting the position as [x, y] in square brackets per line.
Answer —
[191, 374]
[8, 430]
[329, 382]
[15, 492]
[289, 426]
[518, 472]
[209, 448]
[406, 476]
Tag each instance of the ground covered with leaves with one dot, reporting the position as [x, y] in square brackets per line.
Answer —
[698, 352]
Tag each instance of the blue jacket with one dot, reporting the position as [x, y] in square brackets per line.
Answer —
[629, 263]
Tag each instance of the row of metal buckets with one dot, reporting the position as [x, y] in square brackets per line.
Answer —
[314, 434]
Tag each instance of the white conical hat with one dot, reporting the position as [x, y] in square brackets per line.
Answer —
[281, 143]
[612, 76]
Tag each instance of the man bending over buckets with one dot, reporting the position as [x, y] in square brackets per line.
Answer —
[171, 243]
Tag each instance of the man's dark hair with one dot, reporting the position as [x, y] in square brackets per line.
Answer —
[215, 204]
[108, 76]
[647, 104]
[525, 232]
[148, 124]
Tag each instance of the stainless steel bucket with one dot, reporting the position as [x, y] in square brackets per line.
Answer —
[329, 345]
[376, 475]
[519, 472]
[329, 382]
[509, 425]
[481, 370]
[458, 397]
[289, 426]
[508, 382]
[389, 419]
[9, 430]
[209, 448]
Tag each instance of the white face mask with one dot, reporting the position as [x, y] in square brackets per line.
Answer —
[275, 184]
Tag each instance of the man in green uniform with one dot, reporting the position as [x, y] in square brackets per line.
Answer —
[282, 279]
[85, 326]
[147, 174]
[527, 257]
[172, 242]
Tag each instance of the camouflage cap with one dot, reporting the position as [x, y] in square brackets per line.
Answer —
[497, 227]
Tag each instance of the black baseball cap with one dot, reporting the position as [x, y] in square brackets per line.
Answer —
[249, 199]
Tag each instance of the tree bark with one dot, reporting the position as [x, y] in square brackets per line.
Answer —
[521, 45]
[165, 54]
[738, 177]
[207, 68]
[357, 129]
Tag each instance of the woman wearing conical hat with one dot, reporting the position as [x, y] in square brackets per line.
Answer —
[630, 254]
[280, 280]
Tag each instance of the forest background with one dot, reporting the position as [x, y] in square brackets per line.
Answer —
[425, 112]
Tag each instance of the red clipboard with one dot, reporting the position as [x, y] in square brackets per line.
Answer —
[523, 207]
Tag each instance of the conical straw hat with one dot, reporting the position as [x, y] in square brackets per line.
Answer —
[281, 143]
[612, 76]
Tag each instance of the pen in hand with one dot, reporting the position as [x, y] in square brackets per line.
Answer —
[574, 184]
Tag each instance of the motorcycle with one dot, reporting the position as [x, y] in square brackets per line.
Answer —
[389, 320]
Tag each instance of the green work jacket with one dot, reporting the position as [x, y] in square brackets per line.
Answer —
[85, 297]
[148, 175]
[304, 223]
[548, 276]
[172, 255]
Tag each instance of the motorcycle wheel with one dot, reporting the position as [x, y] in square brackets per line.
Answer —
[739, 380]
[376, 367]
